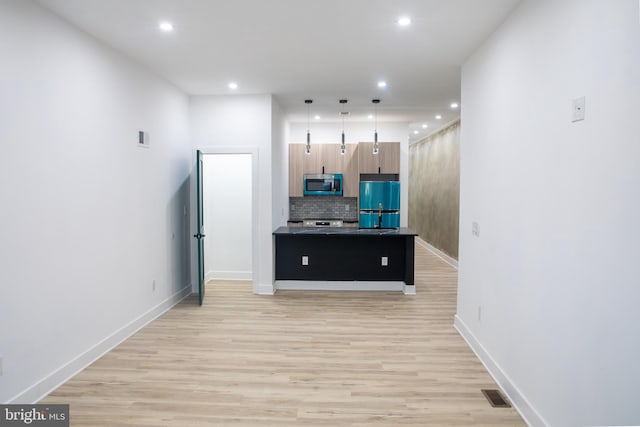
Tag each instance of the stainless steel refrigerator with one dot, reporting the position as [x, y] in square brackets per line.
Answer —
[379, 204]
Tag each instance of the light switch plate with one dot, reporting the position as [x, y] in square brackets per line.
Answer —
[578, 109]
[475, 229]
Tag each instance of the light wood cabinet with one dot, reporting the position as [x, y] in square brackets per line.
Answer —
[350, 171]
[389, 154]
[299, 164]
[367, 161]
[329, 157]
[386, 161]
[331, 161]
[358, 159]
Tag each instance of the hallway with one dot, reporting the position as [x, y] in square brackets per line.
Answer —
[299, 358]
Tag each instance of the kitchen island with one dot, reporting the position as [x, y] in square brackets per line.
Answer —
[344, 258]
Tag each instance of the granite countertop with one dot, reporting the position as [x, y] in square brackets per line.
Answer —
[347, 221]
[335, 231]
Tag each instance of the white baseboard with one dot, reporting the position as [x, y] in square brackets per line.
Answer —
[49, 383]
[517, 399]
[320, 285]
[437, 252]
[265, 290]
[409, 290]
[228, 275]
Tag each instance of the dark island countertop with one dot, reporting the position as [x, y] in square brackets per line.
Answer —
[344, 231]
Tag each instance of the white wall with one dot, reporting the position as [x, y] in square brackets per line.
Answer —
[330, 133]
[227, 216]
[554, 269]
[88, 219]
[241, 122]
[280, 166]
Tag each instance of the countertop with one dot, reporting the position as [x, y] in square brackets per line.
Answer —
[339, 231]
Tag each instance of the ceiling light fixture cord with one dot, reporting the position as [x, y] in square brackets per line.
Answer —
[343, 147]
[308, 147]
[376, 148]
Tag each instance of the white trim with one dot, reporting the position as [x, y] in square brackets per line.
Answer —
[228, 275]
[265, 290]
[437, 252]
[320, 285]
[517, 399]
[61, 375]
[409, 289]
[255, 207]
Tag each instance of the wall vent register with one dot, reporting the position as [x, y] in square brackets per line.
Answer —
[143, 139]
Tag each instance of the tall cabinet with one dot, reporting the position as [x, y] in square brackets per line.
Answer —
[351, 174]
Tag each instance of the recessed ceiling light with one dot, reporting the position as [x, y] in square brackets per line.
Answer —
[233, 85]
[415, 132]
[370, 116]
[165, 26]
[382, 83]
[424, 126]
[454, 105]
[438, 117]
[316, 117]
[404, 21]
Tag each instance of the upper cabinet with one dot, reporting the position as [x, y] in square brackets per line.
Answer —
[358, 159]
[299, 164]
[323, 158]
[367, 162]
[389, 154]
[330, 158]
[386, 161]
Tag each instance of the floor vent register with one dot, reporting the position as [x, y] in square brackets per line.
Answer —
[495, 398]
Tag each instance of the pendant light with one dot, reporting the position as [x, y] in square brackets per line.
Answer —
[343, 146]
[376, 148]
[308, 148]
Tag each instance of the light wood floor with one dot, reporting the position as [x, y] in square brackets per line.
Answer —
[298, 358]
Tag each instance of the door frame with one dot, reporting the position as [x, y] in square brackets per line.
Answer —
[253, 151]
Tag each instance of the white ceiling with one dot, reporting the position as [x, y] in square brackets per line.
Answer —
[298, 49]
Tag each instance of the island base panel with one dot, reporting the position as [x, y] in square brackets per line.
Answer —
[338, 257]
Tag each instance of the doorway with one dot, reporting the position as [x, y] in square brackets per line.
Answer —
[228, 212]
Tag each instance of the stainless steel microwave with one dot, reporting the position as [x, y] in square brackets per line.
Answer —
[323, 184]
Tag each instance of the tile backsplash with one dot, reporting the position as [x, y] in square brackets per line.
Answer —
[323, 207]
